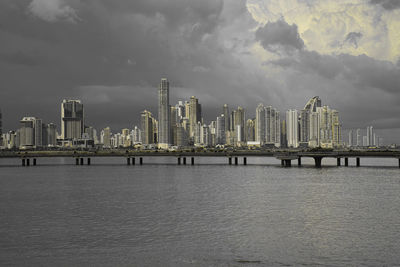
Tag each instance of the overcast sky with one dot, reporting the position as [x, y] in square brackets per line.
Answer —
[112, 55]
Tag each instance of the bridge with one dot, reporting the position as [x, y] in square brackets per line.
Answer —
[286, 156]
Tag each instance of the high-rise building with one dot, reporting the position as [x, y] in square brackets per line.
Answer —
[292, 132]
[194, 115]
[314, 136]
[272, 127]
[239, 123]
[31, 132]
[147, 127]
[260, 124]
[51, 134]
[359, 138]
[351, 142]
[304, 123]
[164, 115]
[220, 131]
[250, 130]
[72, 119]
[370, 136]
[105, 137]
[336, 129]
[225, 111]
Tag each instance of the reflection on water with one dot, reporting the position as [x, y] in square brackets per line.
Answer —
[210, 214]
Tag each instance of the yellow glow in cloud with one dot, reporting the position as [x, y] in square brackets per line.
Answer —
[324, 25]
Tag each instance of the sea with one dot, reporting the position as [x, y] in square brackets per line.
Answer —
[209, 214]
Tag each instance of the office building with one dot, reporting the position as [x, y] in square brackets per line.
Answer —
[292, 131]
[147, 127]
[164, 115]
[72, 119]
[260, 124]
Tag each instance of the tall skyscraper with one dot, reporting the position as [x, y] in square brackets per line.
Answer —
[225, 111]
[304, 127]
[292, 132]
[146, 124]
[370, 136]
[250, 130]
[31, 132]
[272, 126]
[359, 137]
[351, 143]
[51, 134]
[239, 122]
[260, 124]
[72, 119]
[164, 115]
[314, 134]
[106, 137]
[194, 115]
[221, 130]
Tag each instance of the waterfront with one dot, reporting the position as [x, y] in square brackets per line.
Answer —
[210, 214]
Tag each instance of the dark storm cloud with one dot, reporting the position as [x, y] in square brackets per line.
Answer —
[279, 35]
[122, 48]
[387, 4]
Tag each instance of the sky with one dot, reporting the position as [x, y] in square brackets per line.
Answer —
[112, 55]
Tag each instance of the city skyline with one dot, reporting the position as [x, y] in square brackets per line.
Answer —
[182, 125]
[236, 52]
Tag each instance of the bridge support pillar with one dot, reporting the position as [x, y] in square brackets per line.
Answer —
[282, 163]
[82, 163]
[141, 161]
[339, 162]
[28, 162]
[184, 161]
[230, 160]
[23, 162]
[76, 161]
[399, 162]
[236, 161]
[128, 161]
[318, 162]
[133, 161]
[358, 162]
[288, 163]
[299, 161]
[34, 162]
[346, 162]
[179, 161]
[192, 160]
[88, 161]
[244, 161]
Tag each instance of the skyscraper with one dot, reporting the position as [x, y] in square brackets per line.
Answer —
[146, 124]
[272, 126]
[221, 130]
[292, 132]
[359, 137]
[226, 116]
[164, 115]
[351, 143]
[370, 136]
[31, 132]
[260, 124]
[51, 134]
[194, 115]
[72, 119]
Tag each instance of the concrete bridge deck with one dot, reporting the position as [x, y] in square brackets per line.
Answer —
[285, 155]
